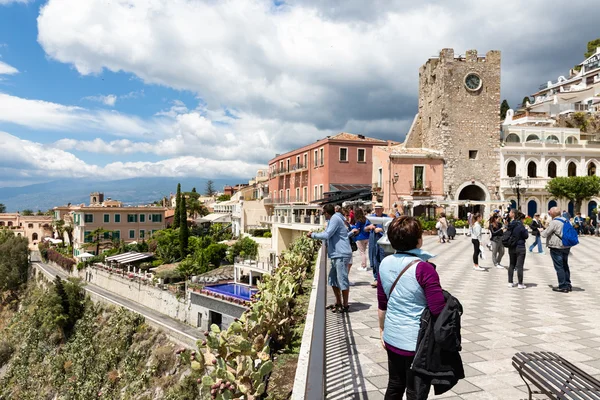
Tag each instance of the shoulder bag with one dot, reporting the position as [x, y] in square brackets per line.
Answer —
[402, 273]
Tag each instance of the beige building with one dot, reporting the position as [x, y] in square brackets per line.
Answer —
[127, 223]
[33, 227]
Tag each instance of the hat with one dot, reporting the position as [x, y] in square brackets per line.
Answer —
[378, 205]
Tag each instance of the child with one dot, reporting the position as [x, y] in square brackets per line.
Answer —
[451, 231]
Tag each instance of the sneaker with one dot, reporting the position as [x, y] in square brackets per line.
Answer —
[543, 253]
[511, 285]
[374, 284]
[499, 266]
[522, 286]
[531, 251]
[362, 269]
[478, 268]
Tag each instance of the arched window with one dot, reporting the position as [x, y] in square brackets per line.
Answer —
[34, 236]
[591, 169]
[30, 226]
[572, 169]
[532, 169]
[1, 223]
[531, 138]
[571, 140]
[511, 169]
[512, 138]
[552, 139]
[551, 169]
[10, 223]
[552, 203]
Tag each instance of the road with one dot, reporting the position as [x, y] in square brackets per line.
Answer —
[177, 330]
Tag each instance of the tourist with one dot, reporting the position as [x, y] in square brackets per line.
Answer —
[351, 217]
[558, 252]
[598, 221]
[476, 232]
[397, 212]
[451, 231]
[376, 253]
[361, 236]
[496, 232]
[443, 228]
[408, 285]
[566, 215]
[535, 226]
[579, 222]
[516, 251]
[346, 213]
[470, 221]
[340, 253]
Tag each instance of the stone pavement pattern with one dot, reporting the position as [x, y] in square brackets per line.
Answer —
[497, 322]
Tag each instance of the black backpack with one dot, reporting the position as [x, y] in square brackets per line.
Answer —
[508, 240]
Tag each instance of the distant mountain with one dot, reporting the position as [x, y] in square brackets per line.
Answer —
[43, 196]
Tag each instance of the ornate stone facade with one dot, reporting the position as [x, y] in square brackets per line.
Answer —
[459, 107]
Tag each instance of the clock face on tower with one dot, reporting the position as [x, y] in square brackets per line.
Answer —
[472, 82]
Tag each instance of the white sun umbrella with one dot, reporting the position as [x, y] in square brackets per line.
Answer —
[85, 256]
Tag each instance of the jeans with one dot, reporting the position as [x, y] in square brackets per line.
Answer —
[497, 251]
[338, 273]
[401, 377]
[538, 241]
[376, 255]
[475, 251]
[560, 259]
[517, 259]
[362, 249]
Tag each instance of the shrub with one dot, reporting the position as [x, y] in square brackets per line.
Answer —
[244, 247]
[215, 253]
[258, 232]
[64, 262]
[6, 352]
[267, 234]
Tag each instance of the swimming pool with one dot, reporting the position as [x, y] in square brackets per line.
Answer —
[241, 292]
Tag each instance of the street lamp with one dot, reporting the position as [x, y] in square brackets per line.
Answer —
[519, 185]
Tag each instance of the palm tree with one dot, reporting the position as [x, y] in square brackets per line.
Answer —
[96, 238]
[59, 227]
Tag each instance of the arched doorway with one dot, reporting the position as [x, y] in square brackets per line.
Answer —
[511, 169]
[571, 208]
[531, 208]
[513, 204]
[572, 169]
[591, 206]
[34, 236]
[551, 169]
[552, 203]
[532, 169]
[471, 192]
[591, 169]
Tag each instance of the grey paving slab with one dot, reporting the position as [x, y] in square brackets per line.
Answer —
[498, 321]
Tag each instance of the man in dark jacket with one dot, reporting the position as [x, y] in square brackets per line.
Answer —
[535, 232]
[516, 253]
[437, 360]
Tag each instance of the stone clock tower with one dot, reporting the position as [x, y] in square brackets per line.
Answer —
[459, 117]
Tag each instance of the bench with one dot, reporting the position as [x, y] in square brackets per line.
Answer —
[555, 377]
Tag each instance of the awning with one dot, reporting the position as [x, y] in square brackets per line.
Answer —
[341, 196]
[129, 257]
[215, 217]
[53, 241]
[83, 256]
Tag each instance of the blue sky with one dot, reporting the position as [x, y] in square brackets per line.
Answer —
[128, 88]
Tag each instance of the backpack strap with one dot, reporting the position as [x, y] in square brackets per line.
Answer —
[402, 273]
[564, 221]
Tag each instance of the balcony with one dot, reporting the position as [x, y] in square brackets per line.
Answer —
[318, 220]
[534, 183]
[376, 187]
[287, 200]
[420, 188]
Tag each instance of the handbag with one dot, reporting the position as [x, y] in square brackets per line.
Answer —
[438, 225]
[353, 246]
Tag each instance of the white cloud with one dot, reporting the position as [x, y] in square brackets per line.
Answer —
[39, 114]
[108, 100]
[6, 69]
[30, 160]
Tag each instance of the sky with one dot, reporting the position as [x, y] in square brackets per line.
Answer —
[115, 89]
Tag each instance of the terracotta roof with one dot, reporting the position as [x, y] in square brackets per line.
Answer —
[352, 136]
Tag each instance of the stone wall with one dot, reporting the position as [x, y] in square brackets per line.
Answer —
[150, 296]
[455, 120]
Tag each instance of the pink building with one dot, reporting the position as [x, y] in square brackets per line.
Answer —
[305, 174]
[408, 176]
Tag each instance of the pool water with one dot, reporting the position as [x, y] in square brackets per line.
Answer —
[241, 292]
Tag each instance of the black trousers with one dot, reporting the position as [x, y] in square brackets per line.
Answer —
[400, 377]
[517, 260]
[475, 251]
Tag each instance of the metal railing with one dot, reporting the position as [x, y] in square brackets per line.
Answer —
[309, 382]
[286, 200]
[420, 187]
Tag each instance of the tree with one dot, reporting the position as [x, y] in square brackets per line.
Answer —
[39, 213]
[14, 261]
[97, 238]
[504, 107]
[591, 47]
[224, 197]
[525, 101]
[184, 232]
[196, 208]
[177, 215]
[27, 212]
[68, 229]
[167, 245]
[210, 188]
[194, 190]
[2, 208]
[574, 188]
[59, 227]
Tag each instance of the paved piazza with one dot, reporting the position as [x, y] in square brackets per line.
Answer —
[497, 322]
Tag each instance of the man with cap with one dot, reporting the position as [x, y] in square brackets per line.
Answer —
[376, 253]
[535, 226]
